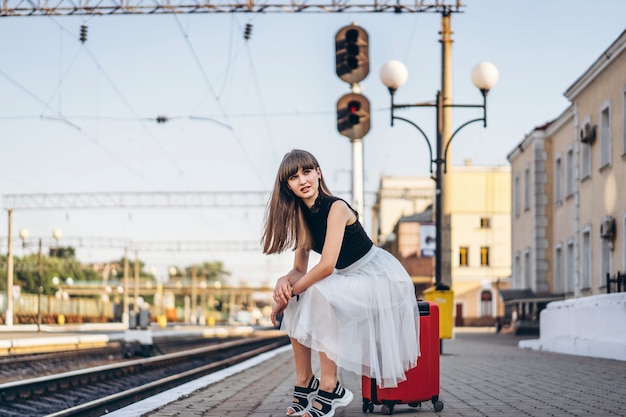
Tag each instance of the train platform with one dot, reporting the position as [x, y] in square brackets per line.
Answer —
[48, 338]
[483, 374]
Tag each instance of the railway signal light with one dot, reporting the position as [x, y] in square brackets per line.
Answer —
[353, 116]
[83, 33]
[248, 31]
[352, 55]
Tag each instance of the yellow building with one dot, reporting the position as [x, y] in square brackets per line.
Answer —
[569, 204]
[479, 200]
[480, 216]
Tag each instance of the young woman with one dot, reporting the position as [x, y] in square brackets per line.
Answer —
[356, 306]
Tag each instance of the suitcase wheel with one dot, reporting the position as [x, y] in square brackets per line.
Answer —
[368, 406]
[387, 409]
[438, 405]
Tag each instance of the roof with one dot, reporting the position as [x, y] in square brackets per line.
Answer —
[526, 295]
[424, 217]
[508, 295]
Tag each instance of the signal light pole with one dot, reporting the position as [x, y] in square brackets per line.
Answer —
[353, 110]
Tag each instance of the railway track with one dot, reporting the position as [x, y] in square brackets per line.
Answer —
[22, 366]
[98, 390]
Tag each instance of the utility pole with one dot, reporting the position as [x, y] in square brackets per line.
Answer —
[8, 317]
[125, 313]
[445, 251]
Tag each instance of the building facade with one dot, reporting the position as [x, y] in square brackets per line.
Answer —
[397, 197]
[480, 230]
[568, 180]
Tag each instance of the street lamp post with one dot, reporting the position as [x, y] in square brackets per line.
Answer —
[484, 76]
[203, 287]
[69, 281]
[63, 296]
[8, 316]
[24, 234]
[57, 234]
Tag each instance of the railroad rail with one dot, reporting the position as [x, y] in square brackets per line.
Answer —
[101, 389]
[36, 364]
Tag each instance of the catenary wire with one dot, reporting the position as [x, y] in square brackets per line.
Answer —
[257, 86]
[113, 85]
[224, 114]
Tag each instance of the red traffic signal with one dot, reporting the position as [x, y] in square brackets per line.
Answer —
[352, 54]
[353, 116]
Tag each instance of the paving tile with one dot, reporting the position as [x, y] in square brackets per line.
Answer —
[482, 375]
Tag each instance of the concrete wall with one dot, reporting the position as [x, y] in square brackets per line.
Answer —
[587, 326]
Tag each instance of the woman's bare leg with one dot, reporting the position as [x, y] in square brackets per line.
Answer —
[302, 359]
[328, 379]
[306, 387]
[331, 394]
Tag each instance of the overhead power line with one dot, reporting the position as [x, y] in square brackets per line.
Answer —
[113, 7]
[143, 246]
[142, 199]
[177, 199]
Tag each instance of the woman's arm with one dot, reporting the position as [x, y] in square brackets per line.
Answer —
[284, 285]
[339, 216]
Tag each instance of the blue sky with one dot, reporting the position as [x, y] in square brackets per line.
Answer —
[80, 117]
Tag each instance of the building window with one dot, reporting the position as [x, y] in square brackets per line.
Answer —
[484, 256]
[624, 245]
[516, 197]
[527, 188]
[463, 256]
[585, 155]
[605, 260]
[486, 303]
[585, 269]
[570, 172]
[605, 136]
[485, 223]
[558, 193]
[517, 271]
[624, 122]
[585, 152]
[570, 269]
[526, 281]
[558, 270]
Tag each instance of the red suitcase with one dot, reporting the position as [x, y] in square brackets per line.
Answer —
[422, 383]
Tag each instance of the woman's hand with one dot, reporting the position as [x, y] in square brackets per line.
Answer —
[277, 310]
[282, 291]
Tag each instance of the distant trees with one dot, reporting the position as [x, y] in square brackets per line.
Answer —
[62, 263]
[208, 271]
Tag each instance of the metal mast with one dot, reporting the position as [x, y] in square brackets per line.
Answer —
[113, 7]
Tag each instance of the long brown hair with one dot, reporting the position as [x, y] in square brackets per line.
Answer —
[285, 226]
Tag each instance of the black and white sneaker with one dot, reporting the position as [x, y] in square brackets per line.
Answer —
[330, 401]
[303, 398]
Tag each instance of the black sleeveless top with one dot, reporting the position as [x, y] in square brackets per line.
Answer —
[355, 243]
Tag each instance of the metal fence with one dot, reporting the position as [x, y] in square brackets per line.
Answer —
[616, 282]
[27, 307]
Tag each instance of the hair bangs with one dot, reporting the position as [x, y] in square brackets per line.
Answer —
[295, 160]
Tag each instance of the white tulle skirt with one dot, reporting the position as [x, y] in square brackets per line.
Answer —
[363, 317]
